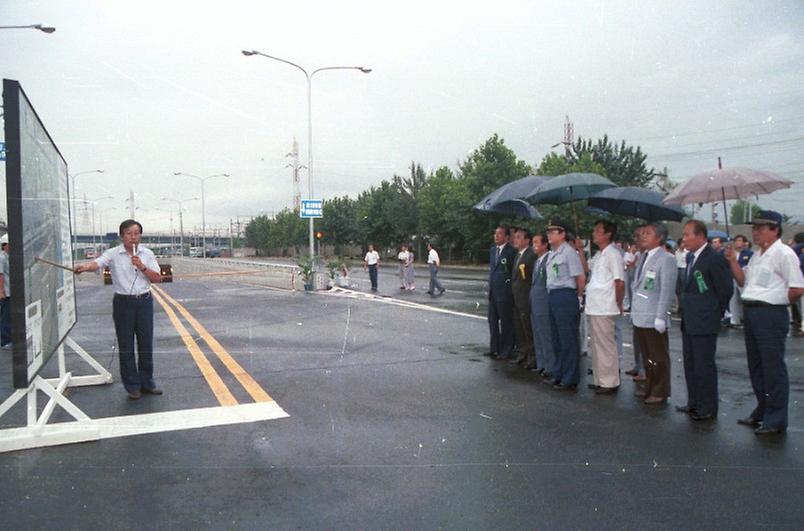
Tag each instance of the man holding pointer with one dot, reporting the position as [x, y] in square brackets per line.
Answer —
[133, 269]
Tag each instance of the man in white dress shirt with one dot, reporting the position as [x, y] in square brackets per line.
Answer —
[133, 269]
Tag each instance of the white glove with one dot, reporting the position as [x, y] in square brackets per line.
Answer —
[660, 325]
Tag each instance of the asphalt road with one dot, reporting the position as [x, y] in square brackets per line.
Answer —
[396, 421]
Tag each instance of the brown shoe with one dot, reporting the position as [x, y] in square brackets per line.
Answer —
[655, 400]
[134, 395]
[152, 391]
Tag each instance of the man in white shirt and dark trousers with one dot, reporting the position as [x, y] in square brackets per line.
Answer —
[772, 281]
[604, 302]
[133, 269]
[371, 261]
[434, 262]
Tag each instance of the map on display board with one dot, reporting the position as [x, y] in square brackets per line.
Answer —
[42, 291]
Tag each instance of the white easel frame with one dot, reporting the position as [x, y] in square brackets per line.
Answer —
[37, 432]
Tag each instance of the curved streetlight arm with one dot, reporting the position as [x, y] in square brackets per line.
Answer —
[255, 52]
[361, 68]
[40, 27]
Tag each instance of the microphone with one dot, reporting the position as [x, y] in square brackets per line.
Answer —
[135, 254]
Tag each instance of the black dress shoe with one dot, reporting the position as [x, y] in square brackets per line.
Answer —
[551, 381]
[685, 409]
[606, 390]
[564, 387]
[704, 416]
[151, 391]
[592, 386]
[632, 372]
[749, 421]
[548, 377]
[763, 430]
[134, 395]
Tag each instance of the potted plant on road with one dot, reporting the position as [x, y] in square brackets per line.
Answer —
[306, 270]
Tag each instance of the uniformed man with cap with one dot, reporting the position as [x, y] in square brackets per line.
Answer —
[770, 284]
[565, 285]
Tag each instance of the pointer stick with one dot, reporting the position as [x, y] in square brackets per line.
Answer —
[54, 264]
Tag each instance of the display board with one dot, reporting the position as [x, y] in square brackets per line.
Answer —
[37, 193]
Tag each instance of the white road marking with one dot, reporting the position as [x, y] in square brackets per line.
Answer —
[128, 425]
[343, 292]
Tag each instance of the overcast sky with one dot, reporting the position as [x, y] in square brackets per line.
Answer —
[143, 89]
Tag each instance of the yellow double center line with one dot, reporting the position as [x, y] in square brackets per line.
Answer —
[217, 385]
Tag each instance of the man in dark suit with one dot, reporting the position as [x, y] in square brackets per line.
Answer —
[521, 278]
[501, 325]
[706, 289]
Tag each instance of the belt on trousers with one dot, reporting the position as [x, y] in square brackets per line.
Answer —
[134, 297]
[762, 304]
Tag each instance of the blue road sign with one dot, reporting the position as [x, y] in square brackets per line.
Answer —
[312, 208]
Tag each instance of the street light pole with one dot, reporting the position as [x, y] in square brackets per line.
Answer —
[309, 77]
[181, 219]
[92, 202]
[203, 204]
[75, 212]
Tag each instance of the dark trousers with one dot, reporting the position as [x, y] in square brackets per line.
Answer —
[700, 373]
[765, 330]
[524, 335]
[134, 317]
[5, 321]
[657, 361]
[373, 276]
[564, 329]
[501, 327]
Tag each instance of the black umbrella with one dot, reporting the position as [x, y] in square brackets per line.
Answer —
[637, 203]
[569, 188]
[513, 207]
[507, 199]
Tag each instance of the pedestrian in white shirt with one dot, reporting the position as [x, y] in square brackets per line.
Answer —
[434, 263]
[370, 262]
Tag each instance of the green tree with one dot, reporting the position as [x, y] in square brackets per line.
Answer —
[488, 167]
[383, 218]
[739, 212]
[339, 222]
[442, 212]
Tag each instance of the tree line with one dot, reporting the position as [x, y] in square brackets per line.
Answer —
[437, 206]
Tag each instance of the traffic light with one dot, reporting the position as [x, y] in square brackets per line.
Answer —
[319, 234]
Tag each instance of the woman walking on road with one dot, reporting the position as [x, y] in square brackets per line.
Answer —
[410, 281]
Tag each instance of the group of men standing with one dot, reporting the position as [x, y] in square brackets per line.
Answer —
[540, 284]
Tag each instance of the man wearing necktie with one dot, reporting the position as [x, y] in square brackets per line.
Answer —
[540, 309]
[500, 312]
[520, 288]
[706, 289]
[654, 288]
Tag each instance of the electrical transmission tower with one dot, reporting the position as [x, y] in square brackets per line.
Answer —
[295, 166]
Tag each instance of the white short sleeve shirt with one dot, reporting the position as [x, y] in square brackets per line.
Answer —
[127, 279]
[771, 274]
[606, 267]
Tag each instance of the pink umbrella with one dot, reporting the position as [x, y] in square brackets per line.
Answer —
[726, 183]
